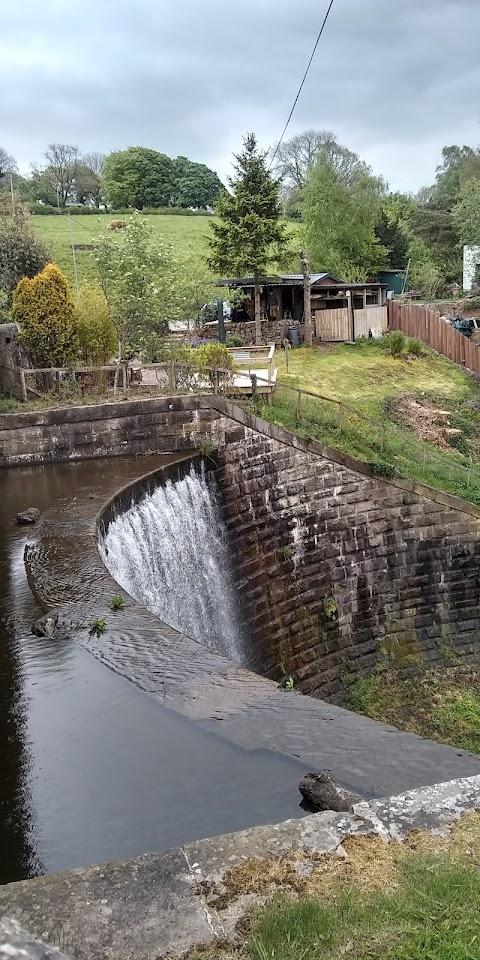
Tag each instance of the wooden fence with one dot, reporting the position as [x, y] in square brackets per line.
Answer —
[425, 323]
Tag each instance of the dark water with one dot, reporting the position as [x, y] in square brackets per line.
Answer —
[92, 768]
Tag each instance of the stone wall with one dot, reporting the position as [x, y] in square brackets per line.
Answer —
[334, 565]
[273, 331]
[159, 425]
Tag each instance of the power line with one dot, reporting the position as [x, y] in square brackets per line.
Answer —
[309, 64]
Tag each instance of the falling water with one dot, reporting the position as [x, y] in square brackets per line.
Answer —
[169, 551]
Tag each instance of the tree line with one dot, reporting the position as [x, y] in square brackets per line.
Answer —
[354, 226]
[135, 178]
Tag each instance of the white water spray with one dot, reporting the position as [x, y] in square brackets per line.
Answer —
[170, 552]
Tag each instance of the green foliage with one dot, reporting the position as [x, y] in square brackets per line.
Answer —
[96, 331]
[195, 185]
[22, 254]
[136, 277]
[45, 311]
[248, 236]
[392, 235]
[117, 603]
[466, 212]
[138, 177]
[286, 552]
[382, 468]
[97, 627]
[360, 694]
[330, 606]
[339, 222]
[415, 347]
[395, 343]
[233, 341]
[213, 355]
[206, 447]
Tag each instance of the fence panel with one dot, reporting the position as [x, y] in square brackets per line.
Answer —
[370, 318]
[423, 322]
[332, 324]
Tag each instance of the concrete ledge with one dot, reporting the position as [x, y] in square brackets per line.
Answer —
[158, 904]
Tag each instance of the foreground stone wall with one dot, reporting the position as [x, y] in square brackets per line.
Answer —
[334, 566]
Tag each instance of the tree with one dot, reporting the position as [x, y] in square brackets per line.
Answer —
[248, 236]
[296, 158]
[138, 177]
[96, 331]
[62, 160]
[44, 309]
[22, 254]
[88, 175]
[8, 164]
[339, 222]
[466, 212]
[392, 235]
[136, 276]
[195, 185]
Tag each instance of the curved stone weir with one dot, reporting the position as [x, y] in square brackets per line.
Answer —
[169, 550]
[66, 571]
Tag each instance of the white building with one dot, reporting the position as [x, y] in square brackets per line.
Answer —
[471, 258]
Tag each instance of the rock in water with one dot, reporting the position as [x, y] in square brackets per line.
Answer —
[322, 792]
[28, 516]
[45, 626]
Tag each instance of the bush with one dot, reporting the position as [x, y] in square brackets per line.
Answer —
[382, 468]
[396, 343]
[22, 254]
[155, 349]
[234, 342]
[213, 355]
[415, 347]
[96, 332]
[45, 311]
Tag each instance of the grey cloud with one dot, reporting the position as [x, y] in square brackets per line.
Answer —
[394, 80]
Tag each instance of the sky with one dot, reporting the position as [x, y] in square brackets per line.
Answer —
[395, 80]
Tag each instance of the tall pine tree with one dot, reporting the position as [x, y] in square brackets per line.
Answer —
[248, 237]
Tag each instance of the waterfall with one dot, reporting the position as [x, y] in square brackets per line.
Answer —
[170, 552]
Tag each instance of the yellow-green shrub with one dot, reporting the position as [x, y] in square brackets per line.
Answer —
[96, 331]
[45, 311]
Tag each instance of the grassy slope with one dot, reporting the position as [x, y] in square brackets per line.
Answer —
[365, 377]
[186, 235]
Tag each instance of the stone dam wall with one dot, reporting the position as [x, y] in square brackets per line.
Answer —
[334, 566]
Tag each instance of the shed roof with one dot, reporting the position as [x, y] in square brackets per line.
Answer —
[280, 280]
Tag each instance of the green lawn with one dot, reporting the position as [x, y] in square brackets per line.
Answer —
[370, 382]
[186, 235]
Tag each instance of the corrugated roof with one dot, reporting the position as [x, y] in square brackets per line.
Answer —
[279, 279]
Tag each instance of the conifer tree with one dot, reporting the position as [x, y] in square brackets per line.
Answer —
[248, 237]
[45, 311]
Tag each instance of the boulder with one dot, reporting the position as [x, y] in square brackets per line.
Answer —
[321, 790]
[45, 626]
[28, 516]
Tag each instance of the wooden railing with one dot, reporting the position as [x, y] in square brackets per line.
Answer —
[418, 321]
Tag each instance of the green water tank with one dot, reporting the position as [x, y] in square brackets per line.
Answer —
[394, 279]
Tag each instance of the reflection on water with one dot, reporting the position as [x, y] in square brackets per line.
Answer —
[91, 768]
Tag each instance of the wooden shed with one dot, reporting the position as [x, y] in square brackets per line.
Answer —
[340, 311]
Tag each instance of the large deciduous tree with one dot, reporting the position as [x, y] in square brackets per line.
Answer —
[339, 222]
[195, 185]
[466, 212]
[296, 158]
[248, 236]
[88, 187]
[44, 309]
[138, 177]
[59, 174]
[22, 254]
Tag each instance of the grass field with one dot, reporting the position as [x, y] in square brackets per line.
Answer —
[186, 236]
[365, 378]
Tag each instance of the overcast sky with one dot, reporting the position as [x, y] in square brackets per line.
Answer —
[394, 79]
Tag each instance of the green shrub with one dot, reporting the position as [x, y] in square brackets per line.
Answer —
[97, 627]
[330, 606]
[415, 347]
[382, 468]
[234, 342]
[396, 343]
[117, 602]
[96, 332]
[45, 311]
